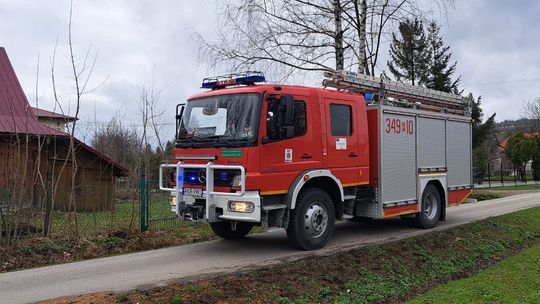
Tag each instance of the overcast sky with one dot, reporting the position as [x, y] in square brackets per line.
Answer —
[496, 44]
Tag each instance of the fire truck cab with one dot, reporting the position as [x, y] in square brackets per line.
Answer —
[300, 158]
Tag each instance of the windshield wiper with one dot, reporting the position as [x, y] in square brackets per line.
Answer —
[193, 144]
[217, 137]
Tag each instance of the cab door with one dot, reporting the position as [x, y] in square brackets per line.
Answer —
[342, 146]
[282, 157]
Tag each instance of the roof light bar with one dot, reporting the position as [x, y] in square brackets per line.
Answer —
[246, 78]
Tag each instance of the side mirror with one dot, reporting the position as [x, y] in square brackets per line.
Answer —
[287, 110]
[265, 140]
[179, 113]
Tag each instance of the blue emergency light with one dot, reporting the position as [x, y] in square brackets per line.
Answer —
[246, 78]
[368, 97]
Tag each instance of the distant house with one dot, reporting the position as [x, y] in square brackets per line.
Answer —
[34, 155]
[54, 120]
[499, 163]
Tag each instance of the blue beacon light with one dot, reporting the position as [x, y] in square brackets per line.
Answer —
[247, 78]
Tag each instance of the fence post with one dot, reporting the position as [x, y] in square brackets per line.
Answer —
[48, 206]
[489, 177]
[515, 175]
[501, 173]
[143, 205]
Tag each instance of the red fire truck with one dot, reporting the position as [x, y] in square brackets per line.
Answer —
[300, 158]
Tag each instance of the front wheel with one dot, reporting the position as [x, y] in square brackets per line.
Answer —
[431, 208]
[311, 223]
[231, 230]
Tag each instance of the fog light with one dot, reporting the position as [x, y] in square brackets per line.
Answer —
[238, 206]
[173, 203]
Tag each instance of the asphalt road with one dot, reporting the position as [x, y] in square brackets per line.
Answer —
[162, 266]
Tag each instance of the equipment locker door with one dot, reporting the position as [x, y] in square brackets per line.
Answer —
[342, 148]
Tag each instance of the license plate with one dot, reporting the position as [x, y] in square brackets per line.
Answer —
[193, 192]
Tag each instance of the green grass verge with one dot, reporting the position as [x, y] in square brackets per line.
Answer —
[507, 178]
[393, 272]
[514, 280]
[483, 195]
[518, 187]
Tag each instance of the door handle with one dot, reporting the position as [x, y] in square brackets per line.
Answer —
[306, 156]
[353, 155]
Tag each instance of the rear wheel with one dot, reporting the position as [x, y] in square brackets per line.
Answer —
[430, 211]
[230, 230]
[312, 221]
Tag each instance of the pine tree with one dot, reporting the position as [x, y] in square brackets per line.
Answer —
[482, 132]
[439, 76]
[409, 55]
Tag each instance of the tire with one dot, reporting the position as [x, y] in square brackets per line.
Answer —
[224, 229]
[431, 207]
[311, 223]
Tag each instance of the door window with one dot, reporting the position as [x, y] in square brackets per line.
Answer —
[340, 120]
[274, 129]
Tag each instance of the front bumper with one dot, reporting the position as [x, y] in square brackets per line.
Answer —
[219, 209]
[213, 205]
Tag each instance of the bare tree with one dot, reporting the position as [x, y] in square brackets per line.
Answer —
[300, 35]
[278, 34]
[531, 110]
[81, 74]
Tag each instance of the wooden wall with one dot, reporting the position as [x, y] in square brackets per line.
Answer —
[95, 181]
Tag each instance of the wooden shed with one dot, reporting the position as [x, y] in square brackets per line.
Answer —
[35, 167]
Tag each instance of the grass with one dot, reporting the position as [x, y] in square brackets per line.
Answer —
[392, 273]
[100, 234]
[125, 216]
[514, 280]
[103, 234]
[507, 178]
[518, 187]
[482, 195]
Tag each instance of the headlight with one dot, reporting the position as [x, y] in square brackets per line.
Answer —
[237, 180]
[238, 206]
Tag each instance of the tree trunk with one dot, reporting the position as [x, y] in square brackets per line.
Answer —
[338, 36]
[361, 18]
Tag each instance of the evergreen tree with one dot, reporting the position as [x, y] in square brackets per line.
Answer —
[481, 132]
[440, 71]
[409, 54]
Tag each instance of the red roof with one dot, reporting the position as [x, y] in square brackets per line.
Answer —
[40, 113]
[15, 113]
[17, 116]
[502, 145]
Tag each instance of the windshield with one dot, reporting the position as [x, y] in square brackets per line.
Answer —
[222, 118]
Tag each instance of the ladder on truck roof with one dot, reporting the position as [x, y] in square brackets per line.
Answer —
[404, 95]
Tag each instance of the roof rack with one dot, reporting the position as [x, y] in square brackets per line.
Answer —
[406, 95]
